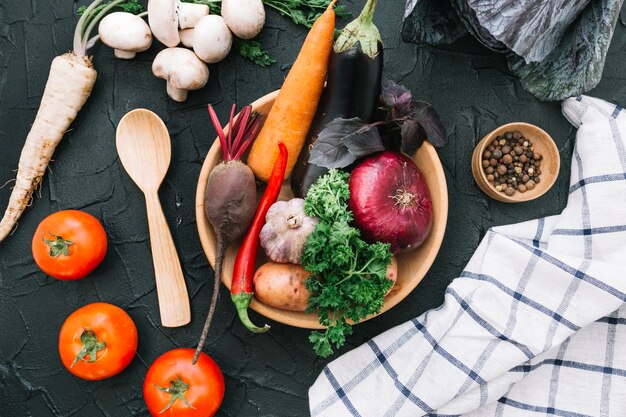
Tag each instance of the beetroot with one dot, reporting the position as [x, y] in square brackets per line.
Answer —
[230, 194]
[390, 201]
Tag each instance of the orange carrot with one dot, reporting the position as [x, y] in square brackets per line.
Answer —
[295, 106]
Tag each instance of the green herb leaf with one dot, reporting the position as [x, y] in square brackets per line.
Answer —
[130, 6]
[214, 7]
[352, 273]
[253, 51]
[304, 12]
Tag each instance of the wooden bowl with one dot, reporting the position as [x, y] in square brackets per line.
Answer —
[542, 143]
[412, 266]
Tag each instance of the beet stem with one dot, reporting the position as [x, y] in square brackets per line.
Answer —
[230, 127]
[220, 133]
[240, 128]
[251, 133]
[241, 132]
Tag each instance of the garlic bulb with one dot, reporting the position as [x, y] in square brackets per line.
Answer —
[285, 231]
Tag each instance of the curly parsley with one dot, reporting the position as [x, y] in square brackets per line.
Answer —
[353, 281]
[253, 51]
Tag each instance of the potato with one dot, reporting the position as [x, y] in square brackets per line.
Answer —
[245, 18]
[282, 286]
[392, 273]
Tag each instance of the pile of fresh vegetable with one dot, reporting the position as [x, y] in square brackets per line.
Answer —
[121, 27]
[340, 130]
[343, 135]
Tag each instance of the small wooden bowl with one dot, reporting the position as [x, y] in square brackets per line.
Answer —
[412, 266]
[542, 143]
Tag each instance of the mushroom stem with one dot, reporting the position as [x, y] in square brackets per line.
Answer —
[176, 93]
[121, 54]
[186, 37]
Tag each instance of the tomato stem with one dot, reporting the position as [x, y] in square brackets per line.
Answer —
[58, 246]
[177, 389]
[91, 347]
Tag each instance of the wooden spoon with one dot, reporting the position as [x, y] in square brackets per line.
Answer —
[144, 148]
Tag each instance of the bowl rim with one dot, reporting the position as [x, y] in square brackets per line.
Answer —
[481, 178]
[275, 314]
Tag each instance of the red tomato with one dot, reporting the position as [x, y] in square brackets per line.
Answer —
[69, 244]
[97, 341]
[174, 387]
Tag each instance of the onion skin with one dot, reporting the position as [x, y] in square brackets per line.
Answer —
[391, 201]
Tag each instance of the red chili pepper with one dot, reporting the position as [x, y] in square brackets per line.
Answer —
[241, 289]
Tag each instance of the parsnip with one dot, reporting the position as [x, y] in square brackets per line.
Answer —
[69, 84]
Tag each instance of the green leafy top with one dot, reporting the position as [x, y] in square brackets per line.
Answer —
[214, 7]
[352, 273]
[131, 6]
[91, 15]
[304, 12]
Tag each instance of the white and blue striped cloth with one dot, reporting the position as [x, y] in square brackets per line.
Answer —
[535, 325]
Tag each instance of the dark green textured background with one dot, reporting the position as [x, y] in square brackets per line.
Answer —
[266, 375]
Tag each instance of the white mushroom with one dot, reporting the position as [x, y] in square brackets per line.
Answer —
[163, 21]
[245, 18]
[186, 37]
[167, 16]
[126, 33]
[190, 13]
[212, 39]
[182, 70]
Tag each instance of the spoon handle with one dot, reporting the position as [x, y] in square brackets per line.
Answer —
[170, 282]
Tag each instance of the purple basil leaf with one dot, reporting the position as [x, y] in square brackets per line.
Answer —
[397, 97]
[425, 115]
[410, 136]
[343, 141]
[364, 142]
[325, 153]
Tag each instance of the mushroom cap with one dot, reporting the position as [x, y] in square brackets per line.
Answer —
[125, 31]
[181, 68]
[245, 18]
[212, 39]
[163, 21]
[190, 13]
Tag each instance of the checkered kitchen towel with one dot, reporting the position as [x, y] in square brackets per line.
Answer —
[535, 325]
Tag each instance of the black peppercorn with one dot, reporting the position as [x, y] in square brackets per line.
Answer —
[511, 164]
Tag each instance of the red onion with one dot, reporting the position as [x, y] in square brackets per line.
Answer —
[390, 201]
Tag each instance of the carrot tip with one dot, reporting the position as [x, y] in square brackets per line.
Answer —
[331, 5]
